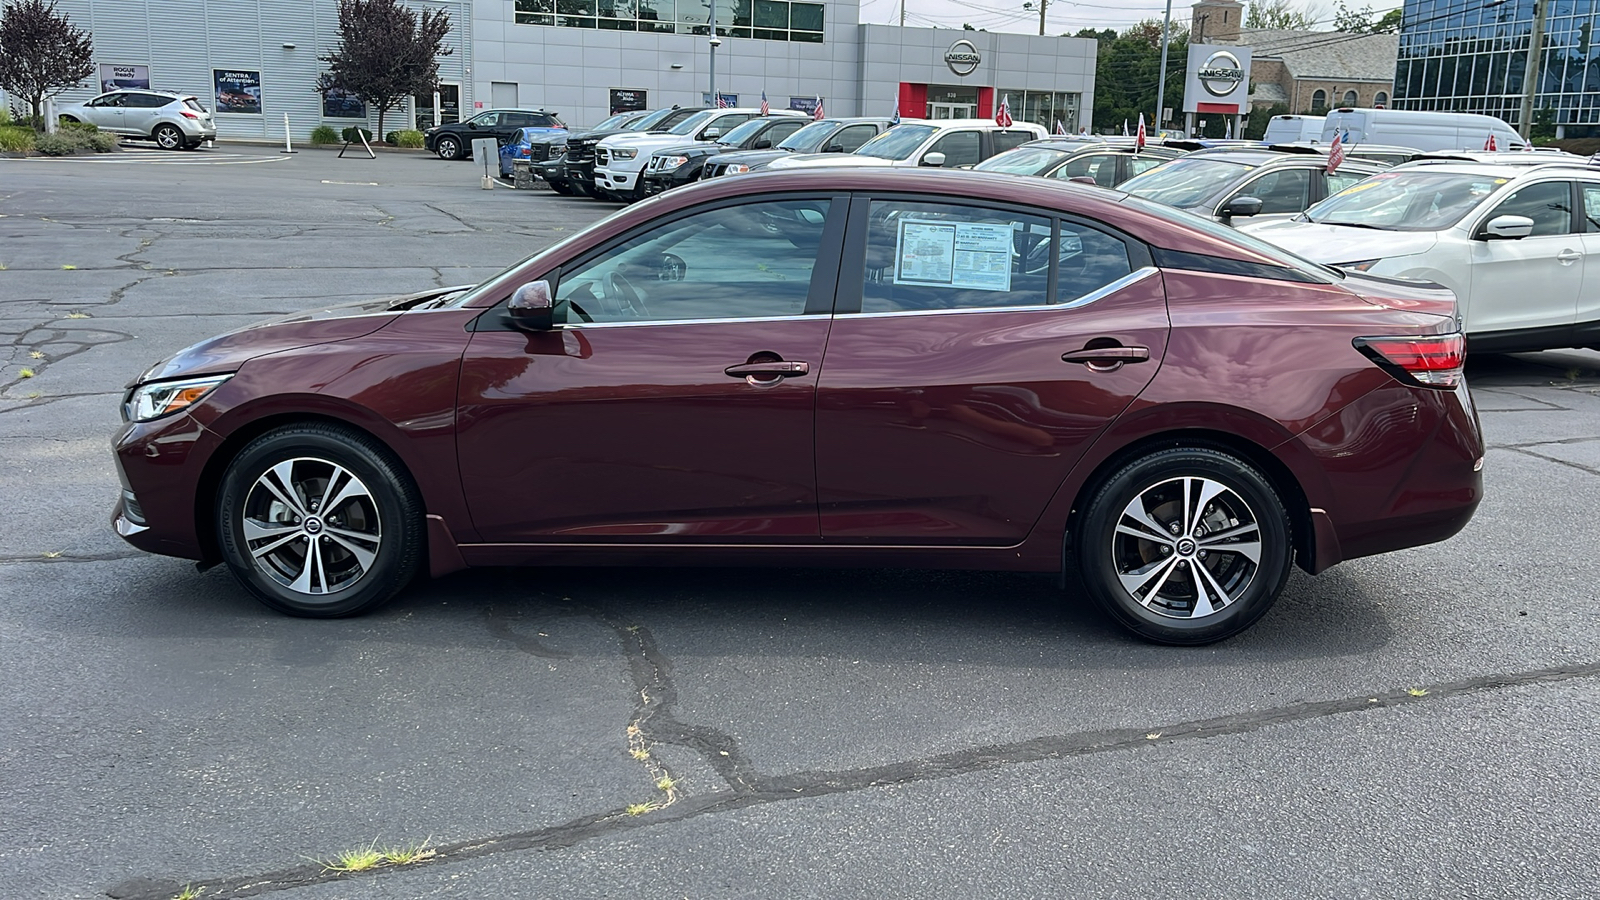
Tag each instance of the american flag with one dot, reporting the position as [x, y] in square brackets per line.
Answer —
[1336, 153]
[722, 101]
[1489, 145]
[817, 115]
[765, 110]
[1003, 117]
[1138, 142]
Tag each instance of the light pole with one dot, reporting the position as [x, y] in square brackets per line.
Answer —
[1161, 83]
[1530, 72]
[715, 43]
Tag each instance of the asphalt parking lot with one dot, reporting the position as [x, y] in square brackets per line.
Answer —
[1417, 725]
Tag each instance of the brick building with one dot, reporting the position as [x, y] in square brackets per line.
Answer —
[1306, 71]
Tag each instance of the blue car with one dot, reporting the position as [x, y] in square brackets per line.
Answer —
[521, 146]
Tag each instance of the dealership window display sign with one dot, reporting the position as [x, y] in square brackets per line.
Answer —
[238, 90]
[969, 255]
[338, 103]
[113, 76]
[1218, 79]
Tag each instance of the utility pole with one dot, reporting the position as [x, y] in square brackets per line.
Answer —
[1530, 75]
[1161, 85]
[1042, 5]
[902, 13]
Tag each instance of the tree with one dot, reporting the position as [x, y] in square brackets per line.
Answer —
[1360, 21]
[386, 53]
[41, 53]
[1280, 14]
[1127, 70]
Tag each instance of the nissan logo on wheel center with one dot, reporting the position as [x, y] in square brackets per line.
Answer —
[1221, 74]
[962, 58]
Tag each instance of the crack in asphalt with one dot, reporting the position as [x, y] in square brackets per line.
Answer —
[650, 670]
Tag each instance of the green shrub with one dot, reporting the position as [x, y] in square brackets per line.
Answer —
[324, 134]
[59, 144]
[350, 134]
[5, 117]
[392, 138]
[16, 138]
[89, 127]
[102, 142]
[409, 138]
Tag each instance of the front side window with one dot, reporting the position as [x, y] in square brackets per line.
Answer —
[1283, 191]
[1102, 167]
[960, 148]
[487, 119]
[1548, 204]
[733, 262]
[850, 139]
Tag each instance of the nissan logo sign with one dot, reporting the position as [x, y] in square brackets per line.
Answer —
[962, 58]
[1221, 74]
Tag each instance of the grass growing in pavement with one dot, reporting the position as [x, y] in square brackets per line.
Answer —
[358, 860]
[190, 892]
[410, 853]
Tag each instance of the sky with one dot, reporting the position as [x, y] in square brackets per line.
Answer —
[1061, 17]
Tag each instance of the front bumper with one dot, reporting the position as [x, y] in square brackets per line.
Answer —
[616, 181]
[159, 465]
[656, 182]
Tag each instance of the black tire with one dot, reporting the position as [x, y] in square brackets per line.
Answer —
[448, 147]
[588, 189]
[1124, 572]
[368, 549]
[168, 137]
[562, 188]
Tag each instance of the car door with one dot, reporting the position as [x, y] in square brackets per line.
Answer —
[722, 125]
[1283, 192]
[777, 131]
[961, 149]
[675, 398]
[1531, 282]
[1587, 313]
[977, 351]
[1102, 167]
[106, 112]
[850, 138]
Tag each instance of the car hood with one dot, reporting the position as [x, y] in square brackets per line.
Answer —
[814, 160]
[751, 158]
[227, 352]
[651, 141]
[1339, 243]
[699, 148]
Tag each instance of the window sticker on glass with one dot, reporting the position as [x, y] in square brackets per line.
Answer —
[958, 255]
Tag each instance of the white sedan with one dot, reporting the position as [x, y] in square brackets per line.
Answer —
[1519, 244]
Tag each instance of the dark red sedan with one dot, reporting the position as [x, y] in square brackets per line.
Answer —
[837, 368]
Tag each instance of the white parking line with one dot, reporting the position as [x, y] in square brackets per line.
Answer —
[142, 156]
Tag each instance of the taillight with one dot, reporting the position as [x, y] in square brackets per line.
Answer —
[1432, 360]
[189, 115]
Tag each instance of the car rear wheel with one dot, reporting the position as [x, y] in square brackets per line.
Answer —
[448, 148]
[319, 520]
[1185, 545]
[168, 137]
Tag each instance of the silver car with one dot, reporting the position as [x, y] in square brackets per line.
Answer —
[173, 121]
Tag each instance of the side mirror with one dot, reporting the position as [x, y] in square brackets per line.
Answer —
[1241, 207]
[1083, 179]
[532, 308]
[833, 148]
[1508, 228]
[711, 134]
[473, 125]
[933, 159]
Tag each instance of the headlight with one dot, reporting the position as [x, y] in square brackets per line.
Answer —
[624, 153]
[668, 163]
[736, 169]
[152, 401]
[1360, 266]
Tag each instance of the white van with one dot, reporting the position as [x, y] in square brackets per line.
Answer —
[1292, 129]
[1421, 129]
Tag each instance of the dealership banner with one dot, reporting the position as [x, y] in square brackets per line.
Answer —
[238, 90]
[113, 76]
[624, 100]
[338, 103]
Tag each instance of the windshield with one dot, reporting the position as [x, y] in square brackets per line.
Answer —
[1407, 201]
[809, 139]
[650, 121]
[695, 122]
[616, 121]
[1324, 274]
[898, 142]
[742, 133]
[1185, 182]
[1023, 161]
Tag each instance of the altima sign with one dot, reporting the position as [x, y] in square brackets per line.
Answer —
[1219, 79]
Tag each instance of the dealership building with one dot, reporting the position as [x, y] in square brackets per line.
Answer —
[257, 60]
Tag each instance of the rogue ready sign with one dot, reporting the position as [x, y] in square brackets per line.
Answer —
[1218, 80]
[962, 58]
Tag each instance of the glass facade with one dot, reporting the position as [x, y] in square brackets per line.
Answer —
[1044, 108]
[1472, 57]
[771, 20]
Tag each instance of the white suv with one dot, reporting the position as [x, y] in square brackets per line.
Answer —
[173, 121]
[946, 143]
[1518, 240]
[619, 160]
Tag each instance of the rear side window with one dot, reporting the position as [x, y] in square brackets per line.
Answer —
[1010, 140]
[147, 101]
[194, 104]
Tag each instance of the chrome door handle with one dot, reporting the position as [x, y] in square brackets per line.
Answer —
[780, 368]
[1568, 257]
[1108, 355]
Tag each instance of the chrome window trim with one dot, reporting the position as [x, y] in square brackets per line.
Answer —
[1128, 280]
[580, 326]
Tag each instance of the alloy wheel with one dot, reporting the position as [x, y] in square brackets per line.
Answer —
[1186, 547]
[311, 526]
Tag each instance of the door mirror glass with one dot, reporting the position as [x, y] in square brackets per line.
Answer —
[762, 144]
[933, 159]
[1241, 207]
[532, 307]
[1508, 228]
[711, 134]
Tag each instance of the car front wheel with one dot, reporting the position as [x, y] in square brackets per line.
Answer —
[319, 520]
[168, 137]
[448, 148]
[1185, 545]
